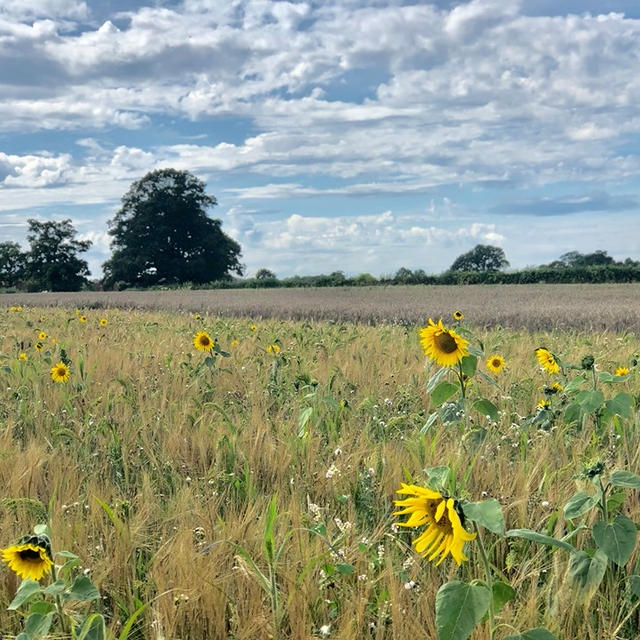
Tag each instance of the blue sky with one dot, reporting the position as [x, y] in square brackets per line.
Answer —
[354, 135]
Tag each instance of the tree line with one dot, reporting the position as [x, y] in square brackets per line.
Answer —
[162, 236]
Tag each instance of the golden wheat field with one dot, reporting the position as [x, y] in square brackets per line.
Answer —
[216, 475]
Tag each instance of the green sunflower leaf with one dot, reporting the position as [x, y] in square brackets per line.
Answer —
[502, 593]
[38, 625]
[634, 585]
[459, 608]
[590, 400]
[533, 634]
[540, 538]
[435, 378]
[469, 365]
[625, 479]
[27, 589]
[579, 503]
[616, 540]
[82, 589]
[621, 405]
[486, 408]
[585, 572]
[487, 513]
[443, 392]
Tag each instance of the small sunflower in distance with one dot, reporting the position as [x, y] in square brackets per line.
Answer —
[234, 343]
[196, 316]
[547, 360]
[458, 315]
[202, 341]
[30, 557]
[444, 534]
[443, 345]
[103, 322]
[60, 372]
[496, 364]
[23, 356]
[253, 327]
[42, 336]
[38, 346]
[82, 318]
[273, 349]
[622, 371]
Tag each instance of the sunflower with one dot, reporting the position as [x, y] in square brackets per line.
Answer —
[234, 343]
[202, 341]
[30, 557]
[196, 316]
[23, 356]
[38, 346]
[496, 364]
[273, 349]
[103, 322]
[443, 345]
[83, 319]
[543, 405]
[458, 315]
[253, 327]
[622, 371]
[60, 372]
[444, 534]
[547, 360]
[42, 336]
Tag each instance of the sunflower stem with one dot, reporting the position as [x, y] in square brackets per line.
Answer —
[462, 385]
[59, 608]
[488, 579]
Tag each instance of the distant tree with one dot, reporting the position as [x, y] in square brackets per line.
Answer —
[52, 261]
[12, 263]
[577, 259]
[482, 257]
[265, 274]
[403, 276]
[162, 234]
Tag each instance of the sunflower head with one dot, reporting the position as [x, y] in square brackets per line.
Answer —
[444, 533]
[273, 349]
[103, 322]
[496, 364]
[23, 356]
[458, 315]
[42, 336]
[547, 360]
[622, 371]
[253, 327]
[30, 557]
[82, 319]
[202, 341]
[196, 316]
[543, 405]
[442, 345]
[38, 346]
[234, 343]
[60, 372]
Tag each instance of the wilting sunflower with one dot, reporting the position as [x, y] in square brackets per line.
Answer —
[202, 341]
[42, 336]
[443, 345]
[103, 322]
[496, 364]
[60, 372]
[444, 534]
[30, 557]
[622, 371]
[458, 315]
[38, 346]
[547, 360]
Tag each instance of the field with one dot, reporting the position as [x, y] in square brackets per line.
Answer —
[246, 492]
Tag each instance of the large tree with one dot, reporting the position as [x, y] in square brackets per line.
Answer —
[483, 257]
[12, 262]
[52, 261]
[162, 234]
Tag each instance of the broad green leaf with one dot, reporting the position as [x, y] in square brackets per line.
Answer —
[82, 589]
[42, 530]
[268, 538]
[443, 392]
[57, 587]
[26, 590]
[634, 584]
[459, 608]
[590, 400]
[487, 513]
[540, 538]
[486, 408]
[585, 573]
[435, 379]
[438, 477]
[502, 593]
[93, 628]
[621, 405]
[625, 479]
[429, 423]
[533, 634]
[579, 503]
[616, 540]
[38, 625]
[573, 413]
[469, 365]
[67, 554]
[573, 384]
[345, 569]
[303, 419]
[41, 607]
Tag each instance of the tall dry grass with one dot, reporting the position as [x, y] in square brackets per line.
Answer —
[188, 457]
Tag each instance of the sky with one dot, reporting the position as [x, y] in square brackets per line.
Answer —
[352, 135]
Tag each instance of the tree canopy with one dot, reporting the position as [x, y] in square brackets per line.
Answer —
[162, 234]
[573, 259]
[482, 257]
[52, 261]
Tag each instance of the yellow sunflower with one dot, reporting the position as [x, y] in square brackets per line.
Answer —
[42, 336]
[30, 557]
[622, 371]
[496, 364]
[547, 360]
[38, 346]
[253, 327]
[234, 343]
[196, 316]
[202, 341]
[458, 315]
[23, 356]
[543, 405]
[273, 349]
[60, 372]
[443, 345]
[103, 322]
[83, 319]
[444, 534]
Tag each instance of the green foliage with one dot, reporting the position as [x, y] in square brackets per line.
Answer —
[162, 234]
[459, 608]
[481, 258]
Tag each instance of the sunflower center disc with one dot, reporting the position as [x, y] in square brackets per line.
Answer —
[445, 343]
[29, 554]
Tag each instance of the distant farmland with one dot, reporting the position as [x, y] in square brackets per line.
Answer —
[593, 307]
